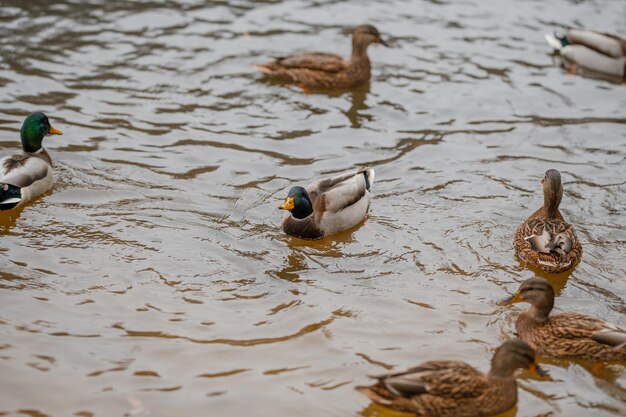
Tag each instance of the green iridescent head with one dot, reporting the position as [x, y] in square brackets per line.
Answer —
[298, 203]
[34, 128]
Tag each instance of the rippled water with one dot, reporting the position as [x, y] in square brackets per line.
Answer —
[154, 278]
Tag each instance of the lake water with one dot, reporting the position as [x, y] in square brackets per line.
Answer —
[154, 279]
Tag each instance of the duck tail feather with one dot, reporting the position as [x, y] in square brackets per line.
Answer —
[369, 175]
[557, 42]
[10, 196]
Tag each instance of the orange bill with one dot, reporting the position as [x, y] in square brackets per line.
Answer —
[539, 373]
[288, 204]
[515, 298]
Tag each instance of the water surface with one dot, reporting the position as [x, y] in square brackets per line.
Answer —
[154, 278]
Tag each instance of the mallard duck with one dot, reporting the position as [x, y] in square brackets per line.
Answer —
[323, 70]
[600, 52]
[565, 335]
[456, 389]
[545, 240]
[25, 176]
[329, 205]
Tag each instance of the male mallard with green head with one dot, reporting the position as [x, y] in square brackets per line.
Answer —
[545, 240]
[329, 205]
[564, 335]
[323, 70]
[27, 175]
[456, 389]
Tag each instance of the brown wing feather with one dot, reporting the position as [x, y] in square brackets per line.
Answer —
[442, 388]
[318, 61]
[576, 335]
[12, 162]
[454, 380]
[451, 379]
[319, 70]
[530, 233]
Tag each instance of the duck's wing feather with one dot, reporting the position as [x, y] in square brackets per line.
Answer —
[539, 243]
[611, 335]
[317, 61]
[607, 45]
[548, 243]
[572, 325]
[330, 195]
[577, 335]
[564, 241]
[449, 379]
[548, 236]
[22, 170]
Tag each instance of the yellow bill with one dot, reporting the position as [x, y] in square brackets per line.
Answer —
[288, 204]
[54, 131]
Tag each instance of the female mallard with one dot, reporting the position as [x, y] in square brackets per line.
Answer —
[322, 70]
[600, 52]
[455, 389]
[565, 335]
[23, 177]
[545, 240]
[329, 205]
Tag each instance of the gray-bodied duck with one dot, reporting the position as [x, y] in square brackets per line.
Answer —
[545, 240]
[328, 206]
[456, 389]
[25, 176]
[596, 51]
[324, 70]
[564, 335]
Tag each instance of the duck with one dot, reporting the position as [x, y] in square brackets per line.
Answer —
[566, 335]
[545, 240]
[328, 206]
[446, 388]
[27, 175]
[315, 70]
[600, 52]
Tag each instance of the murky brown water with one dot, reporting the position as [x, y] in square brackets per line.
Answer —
[155, 280]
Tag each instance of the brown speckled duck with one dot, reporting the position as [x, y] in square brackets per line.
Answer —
[329, 205]
[323, 70]
[455, 389]
[545, 240]
[565, 335]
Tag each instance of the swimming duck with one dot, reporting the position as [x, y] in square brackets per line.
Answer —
[456, 389]
[545, 240]
[564, 335]
[323, 70]
[600, 52]
[329, 205]
[25, 176]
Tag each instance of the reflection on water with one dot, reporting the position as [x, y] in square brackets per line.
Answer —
[355, 113]
[154, 279]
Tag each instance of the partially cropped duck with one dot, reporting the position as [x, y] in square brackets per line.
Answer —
[455, 389]
[27, 175]
[545, 240]
[329, 205]
[323, 70]
[599, 52]
[564, 335]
